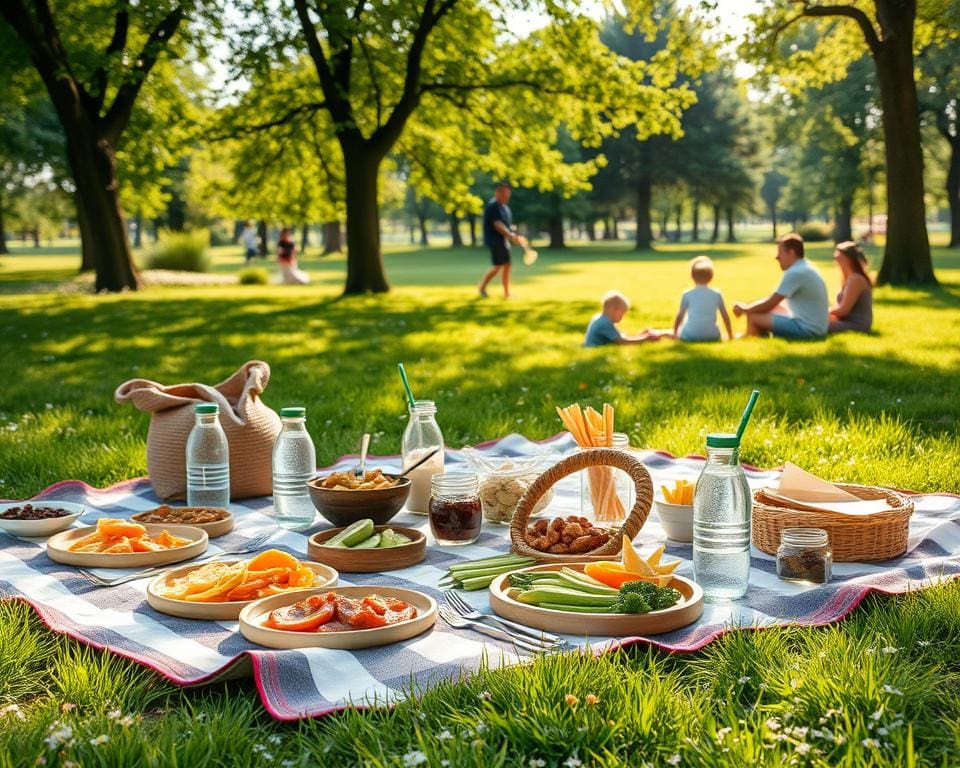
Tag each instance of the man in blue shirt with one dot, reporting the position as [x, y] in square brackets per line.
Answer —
[804, 291]
[497, 235]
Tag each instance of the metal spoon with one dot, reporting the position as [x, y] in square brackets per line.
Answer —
[419, 462]
[360, 472]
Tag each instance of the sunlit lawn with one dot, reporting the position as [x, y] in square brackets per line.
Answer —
[878, 409]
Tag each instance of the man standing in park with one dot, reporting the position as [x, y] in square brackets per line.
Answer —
[806, 296]
[497, 235]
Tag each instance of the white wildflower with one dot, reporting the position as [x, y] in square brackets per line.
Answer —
[98, 740]
[891, 690]
[481, 727]
[444, 735]
[288, 763]
[114, 714]
[12, 710]
[59, 734]
[890, 649]
[773, 724]
[923, 643]
[259, 748]
[877, 715]
[275, 739]
[882, 731]
[414, 758]
[484, 695]
[536, 762]
[722, 734]
[268, 757]
[743, 679]
[873, 743]
[803, 748]
[444, 762]
[675, 760]
[126, 721]
[572, 762]
[201, 716]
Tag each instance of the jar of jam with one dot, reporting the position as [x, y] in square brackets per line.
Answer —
[455, 510]
[804, 555]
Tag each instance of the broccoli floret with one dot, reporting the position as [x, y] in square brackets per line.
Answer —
[631, 603]
[665, 597]
[643, 588]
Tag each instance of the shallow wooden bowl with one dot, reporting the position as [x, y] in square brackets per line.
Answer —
[214, 529]
[685, 612]
[39, 528]
[225, 611]
[58, 549]
[253, 616]
[341, 508]
[350, 560]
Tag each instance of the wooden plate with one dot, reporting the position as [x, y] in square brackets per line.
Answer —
[253, 616]
[349, 560]
[46, 527]
[214, 529]
[58, 549]
[225, 611]
[685, 612]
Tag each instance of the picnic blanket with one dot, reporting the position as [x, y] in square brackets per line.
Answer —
[313, 682]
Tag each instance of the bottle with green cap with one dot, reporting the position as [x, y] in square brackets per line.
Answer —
[208, 460]
[294, 463]
[721, 522]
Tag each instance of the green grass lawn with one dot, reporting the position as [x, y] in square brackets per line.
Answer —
[877, 409]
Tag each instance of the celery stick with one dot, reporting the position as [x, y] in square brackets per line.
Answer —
[573, 608]
[478, 582]
[492, 562]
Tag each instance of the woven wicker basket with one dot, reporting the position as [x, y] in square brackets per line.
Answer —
[594, 457]
[867, 538]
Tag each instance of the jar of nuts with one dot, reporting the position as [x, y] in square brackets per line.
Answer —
[503, 482]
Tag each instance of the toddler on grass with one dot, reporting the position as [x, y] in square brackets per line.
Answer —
[700, 305]
[603, 326]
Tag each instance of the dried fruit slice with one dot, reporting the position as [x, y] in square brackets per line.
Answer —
[304, 616]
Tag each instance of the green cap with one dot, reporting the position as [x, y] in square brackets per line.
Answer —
[206, 408]
[723, 440]
[293, 412]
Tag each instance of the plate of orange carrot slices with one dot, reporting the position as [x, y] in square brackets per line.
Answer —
[114, 543]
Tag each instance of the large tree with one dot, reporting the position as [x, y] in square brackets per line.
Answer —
[94, 59]
[378, 64]
[887, 30]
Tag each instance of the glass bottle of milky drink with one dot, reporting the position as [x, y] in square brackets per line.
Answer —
[422, 436]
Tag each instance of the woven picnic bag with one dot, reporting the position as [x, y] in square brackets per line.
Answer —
[251, 428]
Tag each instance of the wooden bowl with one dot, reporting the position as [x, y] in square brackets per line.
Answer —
[58, 549]
[350, 560]
[253, 616]
[214, 529]
[685, 612]
[341, 508]
[223, 611]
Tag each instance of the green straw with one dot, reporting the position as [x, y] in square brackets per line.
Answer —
[746, 413]
[406, 384]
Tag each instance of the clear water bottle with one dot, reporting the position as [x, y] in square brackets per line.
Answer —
[294, 463]
[421, 437]
[721, 522]
[208, 460]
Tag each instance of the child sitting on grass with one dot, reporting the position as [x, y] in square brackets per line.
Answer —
[603, 326]
[700, 305]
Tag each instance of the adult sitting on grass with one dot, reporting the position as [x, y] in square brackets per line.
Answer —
[603, 326]
[804, 291]
[498, 234]
[854, 308]
[290, 273]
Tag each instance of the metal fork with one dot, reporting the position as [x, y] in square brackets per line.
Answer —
[463, 608]
[457, 621]
[251, 546]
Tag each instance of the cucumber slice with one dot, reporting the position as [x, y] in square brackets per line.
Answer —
[351, 535]
[390, 538]
[371, 542]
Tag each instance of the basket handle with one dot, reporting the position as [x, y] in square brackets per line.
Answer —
[592, 457]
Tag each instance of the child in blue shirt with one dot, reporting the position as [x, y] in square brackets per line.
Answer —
[699, 306]
[603, 326]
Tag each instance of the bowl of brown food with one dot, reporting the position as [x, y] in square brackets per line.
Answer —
[213, 520]
[343, 498]
[38, 518]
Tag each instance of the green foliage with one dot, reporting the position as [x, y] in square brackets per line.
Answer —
[181, 251]
[815, 231]
[253, 276]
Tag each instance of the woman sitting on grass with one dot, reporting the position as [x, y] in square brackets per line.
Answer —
[854, 308]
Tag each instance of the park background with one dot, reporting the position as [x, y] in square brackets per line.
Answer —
[637, 135]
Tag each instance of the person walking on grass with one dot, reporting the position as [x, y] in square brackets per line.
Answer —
[497, 236]
[250, 245]
[805, 294]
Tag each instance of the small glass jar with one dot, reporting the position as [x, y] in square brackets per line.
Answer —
[422, 436]
[455, 510]
[804, 555]
[598, 486]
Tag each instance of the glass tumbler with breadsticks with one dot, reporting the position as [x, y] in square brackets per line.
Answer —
[606, 493]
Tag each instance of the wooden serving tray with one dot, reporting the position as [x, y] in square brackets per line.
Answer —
[253, 616]
[347, 560]
[685, 612]
[221, 611]
[58, 549]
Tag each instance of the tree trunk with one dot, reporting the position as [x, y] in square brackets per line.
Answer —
[664, 223]
[614, 228]
[773, 219]
[695, 232]
[843, 227]
[555, 230]
[424, 238]
[3, 229]
[304, 238]
[953, 191]
[591, 227]
[138, 235]
[715, 235]
[262, 238]
[455, 238]
[606, 229]
[906, 258]
[332, 239]
[679, 231]
[731, 238]
[472, 222]
[103, 233]
[35, 236]
[644, 231]
[364, 259]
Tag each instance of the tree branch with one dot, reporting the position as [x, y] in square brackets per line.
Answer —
[246, 130]
[117, 117]
[338, 103]
[850, 12]
[121, 24]
[374, 80]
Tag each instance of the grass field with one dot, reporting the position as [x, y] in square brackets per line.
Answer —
[882, 408]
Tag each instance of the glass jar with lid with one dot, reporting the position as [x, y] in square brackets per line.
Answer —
[421, 437]
[804, 555]
[455, 510]
[607, 493]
